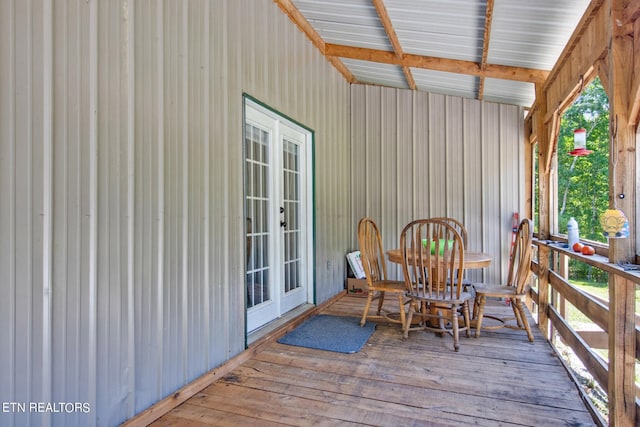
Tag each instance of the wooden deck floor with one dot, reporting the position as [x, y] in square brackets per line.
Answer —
[498, 379]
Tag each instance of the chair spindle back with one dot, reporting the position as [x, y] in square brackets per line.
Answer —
[520, 262]
[433, 259]
[371, 252]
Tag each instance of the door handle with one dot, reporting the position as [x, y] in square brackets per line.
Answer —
[282, 223]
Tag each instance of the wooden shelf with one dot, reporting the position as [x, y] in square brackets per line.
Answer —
[596, 260]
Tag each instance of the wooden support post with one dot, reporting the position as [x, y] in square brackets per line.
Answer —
[544, 254]
[622, 352]
[529, 148]
[622, 342]
[545, 148]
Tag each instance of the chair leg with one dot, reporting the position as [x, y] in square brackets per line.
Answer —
[441, 323]
[516, 312]
[363, 321]
[480, 302]
[476, 303]
[525, 322]
[402, 313]
[467, 319]
[412, 306]
[454, 327]
[380, 301]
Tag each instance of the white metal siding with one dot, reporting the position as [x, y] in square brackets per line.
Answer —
[454, 29]
[355, 22]
[419, 155]
[121, 213]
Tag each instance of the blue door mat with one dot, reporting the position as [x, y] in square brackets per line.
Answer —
[331, 333]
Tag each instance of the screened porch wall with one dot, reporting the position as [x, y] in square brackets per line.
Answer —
[419, 155]
[121, 189]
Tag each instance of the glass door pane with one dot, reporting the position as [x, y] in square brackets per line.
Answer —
[257, 207]
[291, 201]
[294, 284]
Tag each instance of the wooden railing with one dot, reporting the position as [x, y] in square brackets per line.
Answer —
[616, 318]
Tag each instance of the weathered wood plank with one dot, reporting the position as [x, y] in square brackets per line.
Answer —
[371, 411]
[498, 379]
[583, 301]
[188, 414]
[281, 403]
[414, 396]
[429, 377]
[593, 363]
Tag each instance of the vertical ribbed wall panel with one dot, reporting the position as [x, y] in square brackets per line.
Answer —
[472, 164]
[223, 71]
[418, 155]
[121, 222]
[12, 385]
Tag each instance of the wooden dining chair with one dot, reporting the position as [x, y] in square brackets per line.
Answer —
[433, 265]
[515, 289]
[375, 269]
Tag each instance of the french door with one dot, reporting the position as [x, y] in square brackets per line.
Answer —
[278, 215]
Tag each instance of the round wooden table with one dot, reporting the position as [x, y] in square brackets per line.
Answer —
[471, 259]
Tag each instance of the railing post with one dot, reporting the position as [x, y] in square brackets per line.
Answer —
[622, 352]
[543, 289]
[563, 262]
[560, 264]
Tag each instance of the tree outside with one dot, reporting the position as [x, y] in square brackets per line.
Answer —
[583, 182]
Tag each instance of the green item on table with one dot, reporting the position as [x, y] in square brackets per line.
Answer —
[441, 245]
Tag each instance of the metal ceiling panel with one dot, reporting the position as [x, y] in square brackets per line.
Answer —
[446, 83]
[532, 34]
[509, 92]
[352, 23]
[523, 34]
[375, 73]
[452, 29]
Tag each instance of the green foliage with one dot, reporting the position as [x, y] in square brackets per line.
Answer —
[583, 182]
[598, 288]
[579, 272]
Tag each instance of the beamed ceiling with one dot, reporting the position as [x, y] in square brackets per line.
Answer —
[494, 50]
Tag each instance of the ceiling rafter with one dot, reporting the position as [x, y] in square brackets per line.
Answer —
[485, 45]
[505, 72]
[339, 46]
[301, 22]
[393, 38]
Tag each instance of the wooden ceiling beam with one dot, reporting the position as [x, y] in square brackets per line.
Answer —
[439, 64]
[488, 18]
[393, 39]
[301, 22]
[362, 53]
[575, 43]
[303, 25]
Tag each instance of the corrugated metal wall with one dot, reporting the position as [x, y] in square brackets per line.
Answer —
[121, 198]
[121, 194]
[419, 155]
